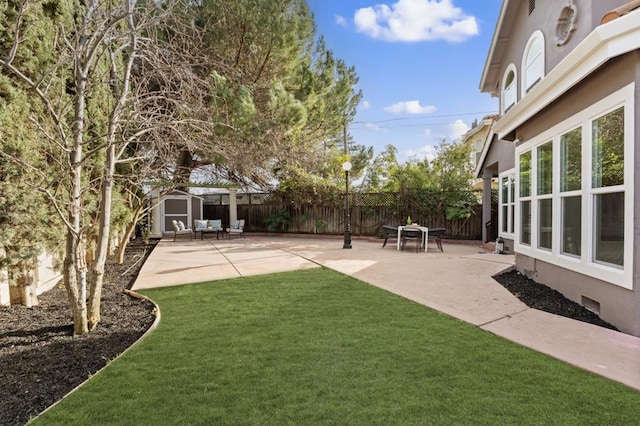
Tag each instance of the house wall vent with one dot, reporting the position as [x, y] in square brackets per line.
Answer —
[590, 304]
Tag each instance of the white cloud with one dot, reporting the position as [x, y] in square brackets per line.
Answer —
[365, 105]
[416, 20]
[427, 152]
[340, 20]
[410, 107]
[457, 129]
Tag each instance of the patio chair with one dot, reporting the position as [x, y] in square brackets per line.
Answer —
[436, 235]
[236, 228]
[389, 232]
[180, 229]
[411, 234]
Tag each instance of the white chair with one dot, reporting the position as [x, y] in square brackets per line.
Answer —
[180, 229]
[236, 228]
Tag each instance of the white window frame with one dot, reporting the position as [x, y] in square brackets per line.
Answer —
[506, 92]
[568, 193]
[509, 203]
[533, 63]
[584, 264]
[536, 198]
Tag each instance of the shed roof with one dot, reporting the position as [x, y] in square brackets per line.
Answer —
[620, 11]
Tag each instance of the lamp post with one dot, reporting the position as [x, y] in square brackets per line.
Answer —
[346, 166]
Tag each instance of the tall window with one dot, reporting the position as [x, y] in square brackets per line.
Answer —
[525, 197]
[575, 191]
[570, 191]
[544, 186]
[607, 187]
[533, 62]
[507, 203]
[509, 88]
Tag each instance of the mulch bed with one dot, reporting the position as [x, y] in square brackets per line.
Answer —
[41, 360]
[546, 299]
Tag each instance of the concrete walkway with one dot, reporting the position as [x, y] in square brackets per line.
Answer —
[457, 282]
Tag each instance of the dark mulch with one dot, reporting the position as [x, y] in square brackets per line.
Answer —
[41, 360]
[546, 299]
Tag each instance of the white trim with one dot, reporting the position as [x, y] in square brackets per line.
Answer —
[495, 40]
[511, 173]
[539, 61]
[607, 41]
[514, 86]
[584, 265]
[485, 151]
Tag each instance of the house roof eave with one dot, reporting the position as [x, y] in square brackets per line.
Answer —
[483, 155]
[498, 42]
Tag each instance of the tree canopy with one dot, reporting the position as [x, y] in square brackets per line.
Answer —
[98, 98]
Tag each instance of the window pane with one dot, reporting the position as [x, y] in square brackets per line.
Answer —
[534, 65]
[505, 190]
[525, 222]
[571, 225]
[509, 97]
[609, 228]
[571, 160]
[525, 174]
[512, 188]
[505, 219]
[544, 223]
[512, 219]
[545, 168]
[608, 149]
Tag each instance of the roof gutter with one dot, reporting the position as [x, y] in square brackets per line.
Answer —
[494, 42]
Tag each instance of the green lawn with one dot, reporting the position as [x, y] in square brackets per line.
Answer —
[317, 347]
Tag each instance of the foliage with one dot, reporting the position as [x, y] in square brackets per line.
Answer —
[28, 224]
[111, 95]
[276, 91]
[276, 220]
[321, 224]
[443, 184]
[378, 172]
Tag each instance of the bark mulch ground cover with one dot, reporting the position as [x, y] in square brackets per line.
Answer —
[546, 299]
[42, 361]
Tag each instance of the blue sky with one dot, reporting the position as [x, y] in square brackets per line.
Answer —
[419, 64]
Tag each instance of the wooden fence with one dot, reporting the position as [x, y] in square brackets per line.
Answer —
[366, 219]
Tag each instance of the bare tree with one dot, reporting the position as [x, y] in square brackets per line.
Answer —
[96, 115]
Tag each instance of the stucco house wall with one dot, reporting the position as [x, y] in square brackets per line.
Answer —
[617, 305]
[598, 67]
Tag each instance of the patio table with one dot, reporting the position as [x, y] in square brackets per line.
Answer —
[209, 231]
[425, 234]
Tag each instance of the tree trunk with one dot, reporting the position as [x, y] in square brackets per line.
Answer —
[75, 266]
[127, 236]
[76, 285]
[27, 284]
[97, 276]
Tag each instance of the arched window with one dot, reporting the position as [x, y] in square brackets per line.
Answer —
[533, 62]
[509, 88]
